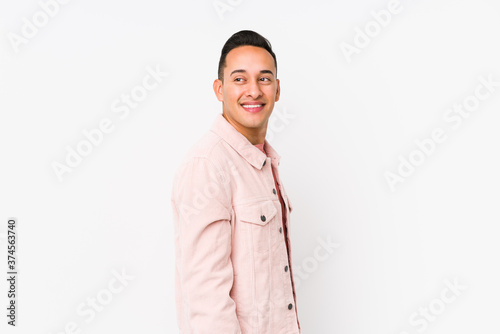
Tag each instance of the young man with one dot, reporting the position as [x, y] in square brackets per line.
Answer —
[231, 211]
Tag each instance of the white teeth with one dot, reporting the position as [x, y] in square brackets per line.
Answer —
[252, 105]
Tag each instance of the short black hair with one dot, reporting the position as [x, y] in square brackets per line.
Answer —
[242, 38]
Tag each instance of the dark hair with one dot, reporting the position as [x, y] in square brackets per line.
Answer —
[241, 38]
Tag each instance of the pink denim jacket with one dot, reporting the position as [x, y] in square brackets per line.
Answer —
[232, 274]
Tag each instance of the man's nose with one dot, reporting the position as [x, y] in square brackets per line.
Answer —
[253, 89]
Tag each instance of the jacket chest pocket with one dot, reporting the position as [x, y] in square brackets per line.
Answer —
[260, 224]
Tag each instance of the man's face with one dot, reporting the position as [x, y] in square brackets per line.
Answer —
[249, 90]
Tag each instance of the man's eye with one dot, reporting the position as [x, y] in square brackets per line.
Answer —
[238, 79]
[265, 79]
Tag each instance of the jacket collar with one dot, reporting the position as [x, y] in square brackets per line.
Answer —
[242, 145]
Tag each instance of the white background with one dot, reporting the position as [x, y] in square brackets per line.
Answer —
[347, 124]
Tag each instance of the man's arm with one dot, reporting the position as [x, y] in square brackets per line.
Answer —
[202, 219]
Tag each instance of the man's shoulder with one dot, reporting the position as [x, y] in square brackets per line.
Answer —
[209, 155]
[207, 146]
[210, 147]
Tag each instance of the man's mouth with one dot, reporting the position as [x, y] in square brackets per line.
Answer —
[253, 107]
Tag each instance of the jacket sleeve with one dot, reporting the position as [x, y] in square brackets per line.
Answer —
[204, 272]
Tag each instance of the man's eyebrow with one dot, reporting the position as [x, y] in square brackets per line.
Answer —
[244, 71]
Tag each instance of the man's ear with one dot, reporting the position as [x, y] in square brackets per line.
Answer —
[277, 90]
[218, 90]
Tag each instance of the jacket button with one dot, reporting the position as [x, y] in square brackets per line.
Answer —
[264, 163]
[274, 191]
[286, 268]
[263, 218]
[290, 306]
[281, 230]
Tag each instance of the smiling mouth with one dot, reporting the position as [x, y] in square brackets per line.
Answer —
[253, 107]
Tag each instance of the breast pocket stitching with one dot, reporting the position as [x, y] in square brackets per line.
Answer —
[260, 218]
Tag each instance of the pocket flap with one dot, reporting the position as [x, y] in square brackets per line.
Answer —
[259, 213]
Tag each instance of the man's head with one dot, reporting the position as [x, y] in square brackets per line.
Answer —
[247, 85]
[242, 38]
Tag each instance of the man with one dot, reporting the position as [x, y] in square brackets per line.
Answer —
[231, 211]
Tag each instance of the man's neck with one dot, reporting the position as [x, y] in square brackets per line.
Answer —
[252, 136]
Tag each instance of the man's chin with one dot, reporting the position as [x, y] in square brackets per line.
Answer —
[258, 117]
[250, 120]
